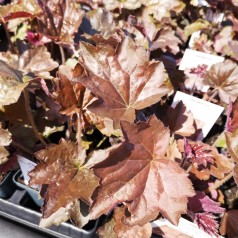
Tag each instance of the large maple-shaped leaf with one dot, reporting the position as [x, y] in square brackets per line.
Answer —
[224, 78]
[116, 227]
[124, 79]
[66, 172]
[137, 175]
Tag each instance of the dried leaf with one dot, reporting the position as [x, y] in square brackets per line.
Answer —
[173, 152]
[11, 84]
[10, 165]
[124, 80]
[102, 20]
[161, 8]
[223, 77]
[200, 24]
[137, 175]
[127, 4]
[167, 41]
[64, 169]
[106, 231]
[5, 140]
[232, 145]
[67, 92]
[104, 125]
[222, 41]
[116, 228]
[233, 124]
[229, 224]
[37, 61]
[125, 231]
[61, 20]
[20, 8]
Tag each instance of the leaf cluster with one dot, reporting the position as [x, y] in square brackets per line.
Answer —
[85, 91]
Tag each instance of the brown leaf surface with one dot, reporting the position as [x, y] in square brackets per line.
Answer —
[37, 61]
[61, 20]
[167, 40]
[106, 231]
[20, 8]
[67, 92]
[116, 228]
[137, 175]
[161, 8]
[5, 140]
[180, 121]
[224, 78]
[125, 231]
[229, 224]
[70, 211]
[123, 79]
[67, 175]
[232, 146]
[11, 84]
[127, 4]
[102, 20]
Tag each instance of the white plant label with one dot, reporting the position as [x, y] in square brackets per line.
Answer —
[194, 58]
[186, 227]
[205, 113]
[26, 166]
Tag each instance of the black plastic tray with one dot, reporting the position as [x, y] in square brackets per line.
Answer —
[20, 208]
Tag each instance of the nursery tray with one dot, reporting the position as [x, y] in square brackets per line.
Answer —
[14, 210]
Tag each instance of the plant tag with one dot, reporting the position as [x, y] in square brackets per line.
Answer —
[204, 113]
[26, 166]
[185, 228]
[194, 58]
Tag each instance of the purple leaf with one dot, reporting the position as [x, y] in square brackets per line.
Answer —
[201, 202]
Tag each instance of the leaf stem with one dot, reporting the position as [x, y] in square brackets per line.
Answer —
[214, 94]
[101, 141]
[62, 54]
[79, 128]
[30, 117]
[219, 183]
[22, 147]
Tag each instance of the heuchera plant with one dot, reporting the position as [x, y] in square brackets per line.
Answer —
[86, 89]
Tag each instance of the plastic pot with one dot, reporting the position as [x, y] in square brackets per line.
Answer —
[7, 187]
[32, 192]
